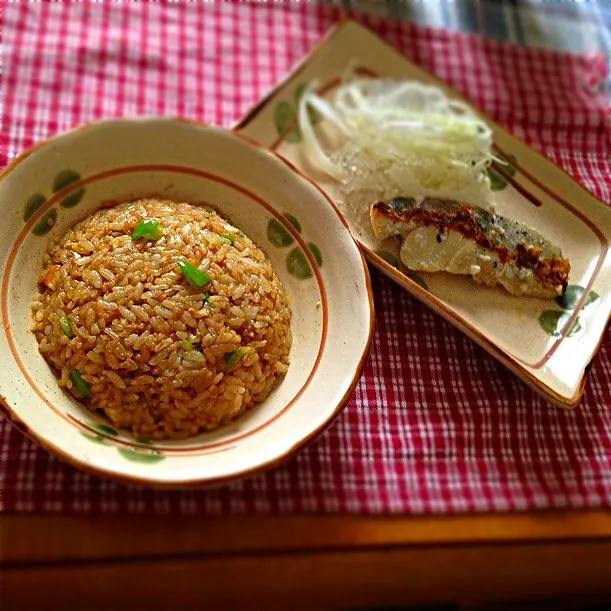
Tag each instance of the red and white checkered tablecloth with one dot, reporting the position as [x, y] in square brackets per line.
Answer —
[435, 424]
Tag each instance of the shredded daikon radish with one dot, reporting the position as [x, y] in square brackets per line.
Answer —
[398, 138]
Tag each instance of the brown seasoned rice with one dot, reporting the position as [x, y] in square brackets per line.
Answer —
[130, 308]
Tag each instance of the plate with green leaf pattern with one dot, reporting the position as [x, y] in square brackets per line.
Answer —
[548, 343]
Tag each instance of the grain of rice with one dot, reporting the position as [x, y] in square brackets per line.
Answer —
[140, 312]
[96, 279]
[159, 325]
[116, 380]
[116, 295]
[193, 355]
[112, 334]
[107, 274]
[188, 319]
[168, 341]
[163, 312]
[131, 339]
[111, 360]
[127, 313]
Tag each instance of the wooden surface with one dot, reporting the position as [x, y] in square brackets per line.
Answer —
[305, 562]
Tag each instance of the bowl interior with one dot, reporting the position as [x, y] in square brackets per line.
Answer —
[70, 176]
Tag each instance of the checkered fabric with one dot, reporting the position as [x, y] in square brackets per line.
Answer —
[435, 424]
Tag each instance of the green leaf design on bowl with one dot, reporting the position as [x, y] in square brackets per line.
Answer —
[388, 257]
[104, 428]
[497, 181]
[95, 438]
[277, 234]
[65, 178]
[312, 113]
[552, 322]
[299, 91]
[34, 202]
[73, 199]
[45, 224]
[572, 295]
[418, 280]
[141, 456]
[107, 431]
[297, 264]
[316, 253]
[591, 298]
[293, 221]
[285, 115]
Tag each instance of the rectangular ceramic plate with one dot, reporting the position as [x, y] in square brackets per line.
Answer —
[548, 344]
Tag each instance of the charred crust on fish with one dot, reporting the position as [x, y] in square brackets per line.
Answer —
[516, 256]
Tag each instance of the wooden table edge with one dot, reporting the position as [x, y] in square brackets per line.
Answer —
[27, 539]
[369, 578]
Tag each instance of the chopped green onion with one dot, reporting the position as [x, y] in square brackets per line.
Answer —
[227, 237]
[232, 357]
[195, 277]
[209, 210]
[206, 297]
[186, 345]
[149, 229]
[81, 388]
[66, 327]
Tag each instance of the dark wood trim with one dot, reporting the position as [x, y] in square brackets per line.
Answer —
[55, 538]
[320, 580]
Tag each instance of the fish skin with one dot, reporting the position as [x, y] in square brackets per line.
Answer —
[468, 240]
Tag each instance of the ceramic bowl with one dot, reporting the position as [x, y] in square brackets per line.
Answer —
[64, 179]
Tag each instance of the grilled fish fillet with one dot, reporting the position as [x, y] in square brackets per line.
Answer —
[445, 235]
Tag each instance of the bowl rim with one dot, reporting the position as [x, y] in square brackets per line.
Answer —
[199, 482]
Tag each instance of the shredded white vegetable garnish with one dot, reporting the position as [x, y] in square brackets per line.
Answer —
[397, 138]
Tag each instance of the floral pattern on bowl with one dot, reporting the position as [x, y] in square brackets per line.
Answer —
[281, 210]
[296, 261]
